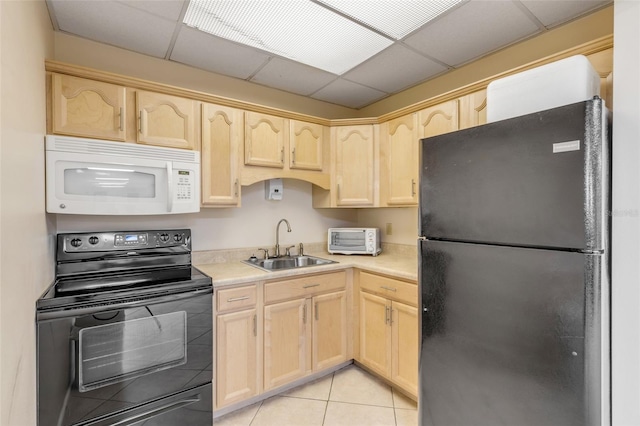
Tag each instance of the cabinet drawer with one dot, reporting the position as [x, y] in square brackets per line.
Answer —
[390, 288]
[236, 298]
[305, 286]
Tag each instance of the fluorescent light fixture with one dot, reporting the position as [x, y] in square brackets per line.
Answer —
[300, 30]
[396, 18]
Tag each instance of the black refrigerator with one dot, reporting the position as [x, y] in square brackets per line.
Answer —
[514, 271]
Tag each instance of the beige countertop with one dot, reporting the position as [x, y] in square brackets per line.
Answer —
[399, 265]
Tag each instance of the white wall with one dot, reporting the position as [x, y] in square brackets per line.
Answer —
[626, 215]
[252, 225]
[26, 249]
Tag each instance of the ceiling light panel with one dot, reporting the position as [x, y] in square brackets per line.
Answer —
[396, 18]
[296, 29]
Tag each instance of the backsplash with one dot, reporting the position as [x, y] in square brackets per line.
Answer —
[233, 255]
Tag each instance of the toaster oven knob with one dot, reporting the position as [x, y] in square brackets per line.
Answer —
[76, 242]
[177, 237]
[93, 240]
[164, 237]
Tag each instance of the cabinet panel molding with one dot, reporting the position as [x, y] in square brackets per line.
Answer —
[165, 120]
[87, 108]
[222, 133]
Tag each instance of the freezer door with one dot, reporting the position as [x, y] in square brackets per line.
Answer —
[540, 180]
[510, 336]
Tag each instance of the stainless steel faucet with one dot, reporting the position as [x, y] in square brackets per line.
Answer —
[277, 248]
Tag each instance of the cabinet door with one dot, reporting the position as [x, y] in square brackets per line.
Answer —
[165, 120]
[286, 339]
[438, 119]
[399, 150]
[329, 330]
[236, 357]
[375, 334]
[264, 140]
[404, 346]
[87, 108]
[354, 178]
[306, 140]
[222, 129]
[473, 109]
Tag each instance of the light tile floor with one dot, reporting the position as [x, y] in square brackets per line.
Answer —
[349, 397]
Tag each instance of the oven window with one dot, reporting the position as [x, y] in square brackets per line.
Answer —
[120, 351]
[102, 181]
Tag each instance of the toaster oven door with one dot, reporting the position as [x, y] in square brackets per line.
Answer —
[348, 240]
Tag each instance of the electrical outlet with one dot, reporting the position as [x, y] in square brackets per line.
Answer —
[389, 229]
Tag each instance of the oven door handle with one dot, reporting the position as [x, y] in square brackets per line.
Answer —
[103, 306]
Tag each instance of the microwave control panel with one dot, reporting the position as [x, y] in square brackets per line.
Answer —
[185, 187]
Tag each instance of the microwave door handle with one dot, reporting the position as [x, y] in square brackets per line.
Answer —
[169, 186]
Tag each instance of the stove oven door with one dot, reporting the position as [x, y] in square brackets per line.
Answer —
[142, 361]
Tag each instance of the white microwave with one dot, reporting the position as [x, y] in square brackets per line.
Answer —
[87, 176]
[354, 241]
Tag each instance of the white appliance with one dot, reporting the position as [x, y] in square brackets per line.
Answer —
[354, 241]
[86, 176]
[558, 83]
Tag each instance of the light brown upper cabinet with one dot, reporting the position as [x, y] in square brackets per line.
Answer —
[438, 119]
[264, 140]
[87, 108]
[165, 120]
[355, 148]
[305, 145]
[473, 109]
[222, 136]
[399, 150]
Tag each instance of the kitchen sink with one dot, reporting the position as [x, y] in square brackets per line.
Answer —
[287, 262]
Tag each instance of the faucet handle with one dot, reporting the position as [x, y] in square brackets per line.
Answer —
[300, 250]
[288, 250]
[266, 253]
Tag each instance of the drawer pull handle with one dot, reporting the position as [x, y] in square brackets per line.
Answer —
[237, 299]
[388, 288]
[304, 314]
[310, 285]
[317, 312]
[121, 119]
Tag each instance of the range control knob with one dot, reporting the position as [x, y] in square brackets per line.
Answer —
[177, 237]
[164, 237]
[76, 242]
[94, 240]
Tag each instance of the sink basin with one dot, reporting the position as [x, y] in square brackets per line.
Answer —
[287, 262]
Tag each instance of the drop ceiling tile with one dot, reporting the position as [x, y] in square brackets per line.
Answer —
[211, 53]
[116, 24]
[552, 13]
[349, 94]
[472, 30]
[394, 69]
[292, 76]
[169, 9]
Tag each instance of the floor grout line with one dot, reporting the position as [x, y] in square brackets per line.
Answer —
[256, 414]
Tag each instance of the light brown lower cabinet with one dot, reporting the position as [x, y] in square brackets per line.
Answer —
[236, 376]
[389, 332]
[236, 357]
[305, 334]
